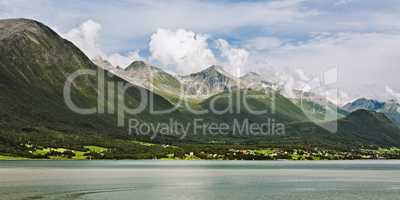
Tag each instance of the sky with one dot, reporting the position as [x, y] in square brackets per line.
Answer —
[301, 40]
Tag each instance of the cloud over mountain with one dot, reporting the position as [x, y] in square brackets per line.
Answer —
[86, 37]
[235, 57]
[184, 50]
[357, 37]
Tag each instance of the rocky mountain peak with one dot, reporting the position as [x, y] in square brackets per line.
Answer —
[213, 71]
[211, 80]
[22, 26]
[365, 104]
[215, 68]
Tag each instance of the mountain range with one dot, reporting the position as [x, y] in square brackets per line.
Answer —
[390, 108]
[35, 63]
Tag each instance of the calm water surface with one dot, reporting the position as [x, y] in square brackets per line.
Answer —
[212, 180]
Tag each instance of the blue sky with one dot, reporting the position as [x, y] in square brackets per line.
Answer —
[128, 23]
[358, 37]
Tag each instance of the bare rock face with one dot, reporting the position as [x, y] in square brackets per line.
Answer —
[364, 104]
[210, 81]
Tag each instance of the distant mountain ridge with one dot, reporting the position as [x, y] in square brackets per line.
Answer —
[363, 103]
[390, 108]
[151, 77]
[214, 80]
[210, 81]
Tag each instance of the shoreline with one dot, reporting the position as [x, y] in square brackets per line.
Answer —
[277, 160]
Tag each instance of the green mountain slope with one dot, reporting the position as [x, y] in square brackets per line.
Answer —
[320, 111]
[390, 108]
[360, 129]
[34, 65]
[368, 127]
[241, 104]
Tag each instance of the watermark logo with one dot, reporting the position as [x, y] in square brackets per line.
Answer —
[316, 95]
[201, 127]
[229, 111]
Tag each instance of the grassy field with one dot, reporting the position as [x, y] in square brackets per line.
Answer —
[12, 158]
[61, 153]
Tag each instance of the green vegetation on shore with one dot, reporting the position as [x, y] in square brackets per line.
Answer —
[88, 152]
[3, 157]
[96, 152]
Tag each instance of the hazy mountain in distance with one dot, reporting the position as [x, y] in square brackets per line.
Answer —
[390, 108]
[365, 104]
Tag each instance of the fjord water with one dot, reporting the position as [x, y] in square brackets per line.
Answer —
[213, 180]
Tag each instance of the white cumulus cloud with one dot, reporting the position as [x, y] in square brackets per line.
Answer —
[184, 50]
[86, 37]
[365, 62]
[123, 61]
[235, 57]
[392, 93]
